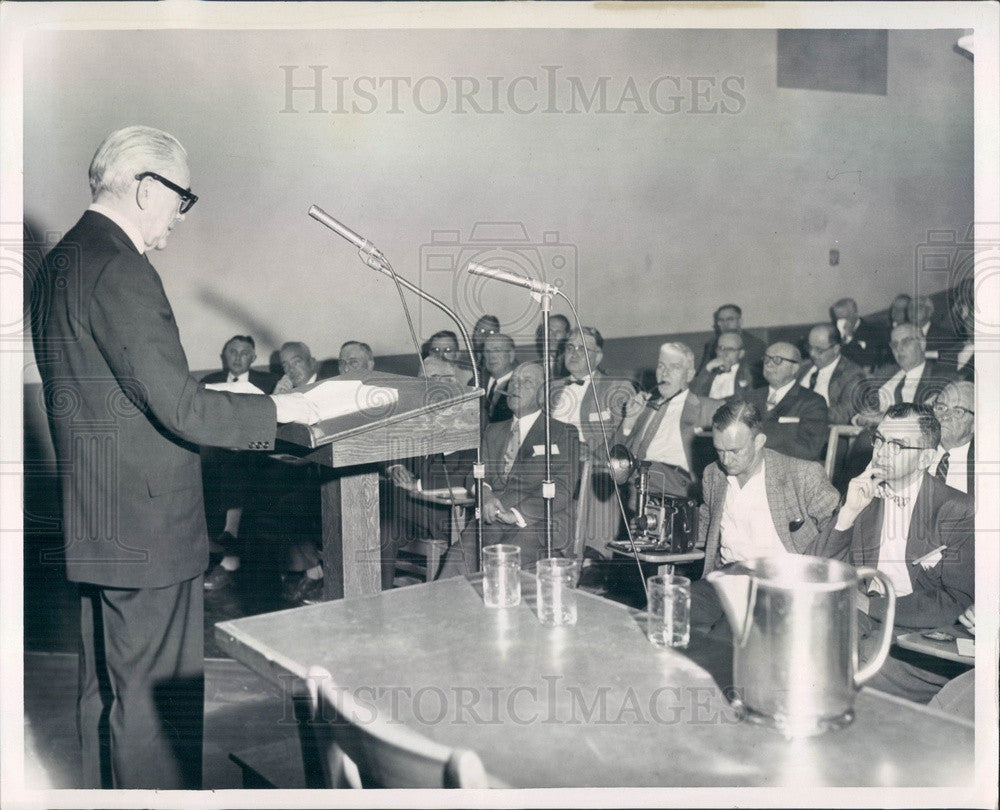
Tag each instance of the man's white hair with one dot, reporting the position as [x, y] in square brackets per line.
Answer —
[129, 151]
[681, 349]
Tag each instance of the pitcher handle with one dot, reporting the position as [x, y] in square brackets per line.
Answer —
[873, 666]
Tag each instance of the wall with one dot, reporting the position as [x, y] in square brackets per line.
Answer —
[658, 216]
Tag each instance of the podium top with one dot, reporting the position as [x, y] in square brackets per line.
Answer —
[416, 397]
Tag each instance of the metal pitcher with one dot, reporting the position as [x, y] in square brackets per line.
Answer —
[795, 639]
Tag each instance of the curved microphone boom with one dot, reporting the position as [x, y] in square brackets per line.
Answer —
[540, 287]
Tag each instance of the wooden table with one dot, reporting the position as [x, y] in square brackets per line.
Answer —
[585, 706]
[948, 650]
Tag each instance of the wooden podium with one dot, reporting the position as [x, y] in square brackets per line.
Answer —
[429, 416]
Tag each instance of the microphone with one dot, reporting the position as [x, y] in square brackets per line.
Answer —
[540, 287]
[359, 242]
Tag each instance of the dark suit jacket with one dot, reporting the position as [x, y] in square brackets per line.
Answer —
[935, 376]
[702, 383]
[803, 504]
[805, 428]
[697, 412]
[845, 392]
[264, 380]
[522, 489]
[613, 393]
[753, 358]
[869, 346]
[495, 407]
[126, 414]
[942, 516]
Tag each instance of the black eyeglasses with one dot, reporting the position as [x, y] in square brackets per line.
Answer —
[187, 198]
[894, 446]
[774, 360]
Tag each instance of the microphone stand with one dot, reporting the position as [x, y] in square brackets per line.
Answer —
[548, 485]
[373, 257]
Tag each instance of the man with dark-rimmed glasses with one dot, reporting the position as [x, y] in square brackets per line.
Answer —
[126, 417]
[917, 530]
[954, 459]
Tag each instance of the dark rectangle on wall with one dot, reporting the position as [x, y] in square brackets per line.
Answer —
[834, 60]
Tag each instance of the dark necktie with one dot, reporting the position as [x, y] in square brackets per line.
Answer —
[577, 382]
[897, 396]
[812, 379]
[233, 378]
[941, 473]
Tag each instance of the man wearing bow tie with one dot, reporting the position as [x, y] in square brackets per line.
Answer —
[514, 456]
[919, 532]
[585, 401]
[728, 373]
[660, 427]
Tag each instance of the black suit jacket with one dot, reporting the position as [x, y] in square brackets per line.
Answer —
[942, 516]
[702, 383]
[798, 425]
[845, 392]
[869, 345]
[264, 380]
[495, 407]
[126, 414]
[753, 357]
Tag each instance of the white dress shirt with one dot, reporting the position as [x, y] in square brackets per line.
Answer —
[775, 395]
[724, 384]
[895, 528]
[747, 528]
[958, 466]
[666, 446]
[570, 404]
[822, 386]
[887, 393]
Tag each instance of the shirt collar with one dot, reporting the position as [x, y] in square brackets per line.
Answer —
[915, 372]
[779, 393]
[131, 231]
[526, 423]
[504, 377]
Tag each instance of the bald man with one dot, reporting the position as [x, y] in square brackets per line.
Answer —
[795, 419]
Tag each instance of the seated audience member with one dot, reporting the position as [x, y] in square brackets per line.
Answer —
[514, 456]
[920, 311]
[758, 503]
[487, 325]
[558, 330]
[835, 378]
[913, 378]
[794, 419]
[405, 518]
[660, 427]
[919, 532]
[958, 696]
[229, 476]
[499, 358]
[355, 359]
[299, 367]
[861, 342]
[586, 401]
[729, 318]
[955, 457]
[444, 346]
[960, 354]
[730, 375]
[898, 309]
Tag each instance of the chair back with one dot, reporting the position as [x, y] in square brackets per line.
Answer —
[837, 432]
[359, 749]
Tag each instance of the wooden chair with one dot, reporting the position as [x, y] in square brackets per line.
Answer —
[359, 750]
[838, 432]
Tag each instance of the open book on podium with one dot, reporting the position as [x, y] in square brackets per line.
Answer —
[423, 417]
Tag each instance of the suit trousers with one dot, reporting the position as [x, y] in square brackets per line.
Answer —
[461, 557]
[140, 708]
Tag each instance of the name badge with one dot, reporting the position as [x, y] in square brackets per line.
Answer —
[540, 449]
[596, 417]
[788, 420]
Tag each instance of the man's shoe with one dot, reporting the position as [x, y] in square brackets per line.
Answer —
[218, 578]
[308, 591]
[224, 543]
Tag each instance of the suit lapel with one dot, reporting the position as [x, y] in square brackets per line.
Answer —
[774, 486]
[869, 528]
